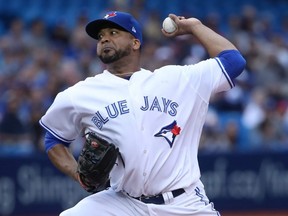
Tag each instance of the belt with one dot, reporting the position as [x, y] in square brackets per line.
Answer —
[160, 198]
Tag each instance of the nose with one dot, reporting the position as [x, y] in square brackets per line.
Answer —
[104, 38]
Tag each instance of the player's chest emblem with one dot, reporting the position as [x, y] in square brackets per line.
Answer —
[169, 133]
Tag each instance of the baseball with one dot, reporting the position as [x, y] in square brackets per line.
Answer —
[169, 25]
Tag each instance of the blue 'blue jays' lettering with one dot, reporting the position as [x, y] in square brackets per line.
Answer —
[99, 120]
[164, 105]
[121, 107]
[113, 111]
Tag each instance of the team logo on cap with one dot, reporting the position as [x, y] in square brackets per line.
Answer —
[133, 29]
[169, 132]
[109, 15]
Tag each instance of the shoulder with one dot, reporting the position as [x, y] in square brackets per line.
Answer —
[173, 70]
[86, 83]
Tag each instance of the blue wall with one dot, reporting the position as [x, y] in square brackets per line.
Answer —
[31, 185]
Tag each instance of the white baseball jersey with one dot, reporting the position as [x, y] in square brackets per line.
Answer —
[155, 118]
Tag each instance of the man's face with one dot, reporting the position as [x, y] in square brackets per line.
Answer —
[114, 44]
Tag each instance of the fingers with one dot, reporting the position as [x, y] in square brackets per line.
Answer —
[183, 26]
[81, 182]
[168, 34]
[174, 17]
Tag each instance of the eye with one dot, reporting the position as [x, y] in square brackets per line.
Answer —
[113, 32]
[99, 36]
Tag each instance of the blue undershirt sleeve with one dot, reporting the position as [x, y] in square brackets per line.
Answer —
[51, 141]
[233, 62]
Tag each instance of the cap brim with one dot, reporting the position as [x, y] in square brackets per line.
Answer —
[93, 28]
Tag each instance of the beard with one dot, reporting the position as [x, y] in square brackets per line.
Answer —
[107, 59]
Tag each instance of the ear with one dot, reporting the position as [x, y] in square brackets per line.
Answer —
[136, 44]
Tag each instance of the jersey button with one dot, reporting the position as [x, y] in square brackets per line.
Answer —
[145, 151]
[144, 174]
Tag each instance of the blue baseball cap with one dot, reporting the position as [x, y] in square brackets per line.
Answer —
[117, 19]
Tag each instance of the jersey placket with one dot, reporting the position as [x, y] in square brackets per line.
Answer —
[135, 100]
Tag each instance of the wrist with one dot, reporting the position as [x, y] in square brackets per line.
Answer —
[196, 26]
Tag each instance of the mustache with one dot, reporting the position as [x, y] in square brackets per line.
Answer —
[118, 54]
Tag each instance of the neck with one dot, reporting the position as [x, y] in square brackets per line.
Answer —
[124, 67]
[128, 74]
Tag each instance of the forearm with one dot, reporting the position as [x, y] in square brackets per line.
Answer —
[63, 159]
[210, 40]
[213, 42]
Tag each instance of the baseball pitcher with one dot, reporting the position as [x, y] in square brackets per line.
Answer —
[142, 127]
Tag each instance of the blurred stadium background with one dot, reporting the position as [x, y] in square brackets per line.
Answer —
[243, 152]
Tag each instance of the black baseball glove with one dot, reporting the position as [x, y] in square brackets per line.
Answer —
[95, 162]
